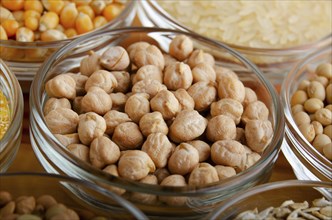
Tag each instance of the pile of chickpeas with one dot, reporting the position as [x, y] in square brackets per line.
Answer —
[173, 119]
[311, 106]
[52, 20]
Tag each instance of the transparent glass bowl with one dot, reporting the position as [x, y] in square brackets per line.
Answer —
[10, 142]
[307, 162]
[56, 159]
[24, 58]
[73, 193]
[274, 63]
[272, 194]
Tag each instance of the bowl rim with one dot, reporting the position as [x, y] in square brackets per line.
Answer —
[37, 113]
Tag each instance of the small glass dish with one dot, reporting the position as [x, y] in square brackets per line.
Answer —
[272, 195]
[306, 161]
[11, 140]
[72, 193]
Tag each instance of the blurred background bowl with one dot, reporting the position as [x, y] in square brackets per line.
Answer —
[11, 140]
[55, 158]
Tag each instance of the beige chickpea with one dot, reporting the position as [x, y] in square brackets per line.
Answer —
[221, 127]
[303, 85]
[96, 100]
[135, 47]
[222, 72]
[119, 100]
[149, 56]
[61, 86]
[148, 72]
[183, 160]
[45, 201]
[229, 153]
[327, 151]
[320, 141]
[199, 56]
[62, 121]
[324, 69]
[113, 170]
[153, 123]
[318, 127]
[103, 152]
[80, 150]
[297, 108]
[230, 87]
[203, 72]
[178, 75]
[115, 58]
[258, 134]
[250, 96]
[25, 204]
[308, 131]
[228, 107]
[187, 126]
[299, 97]
[301, 118]
[312, 105]
[181, 47]
[202, 175]
[252, 158]
[255, 111]
[316, 90]
[137, 105]
[324, 116]
[53, 103]
[328, 92]
[203, 93]
[159, 148]
[77, 104]
[174, 180]
[328, 131]
[135, 165]
[113, 118]
[166, 103]
[90, 126]
[102, 79]
[5, 197]
[145, 198]
[169, 59]
[149, 86]
[225, 172]
[127, 136]
[203, 149]
[161, 174]
[329, 107]
[68, 139]
[90, 64]
[123, 81]
[185, 100]
[80, 80]
[322, 80]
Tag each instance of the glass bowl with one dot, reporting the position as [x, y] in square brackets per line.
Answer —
[272, 194]
[24, 58]
[72, 193]
[275, 63]
[11, 140]
[56, 159]
[307, 162]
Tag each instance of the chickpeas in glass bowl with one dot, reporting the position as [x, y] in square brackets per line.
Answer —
[32, 30]
[147, 114]
[272, 34]
[11, 116]
[306, 96]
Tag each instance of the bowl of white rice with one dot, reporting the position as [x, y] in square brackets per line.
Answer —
[273, 34]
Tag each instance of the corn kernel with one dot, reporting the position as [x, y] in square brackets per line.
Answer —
[24, 34]
[83, 23]
[98, 6]
[52, 35]
[86, 9]
[53, 5]
[81, 2]
[13, 5]
[70, 32]
[68, 16]
[33, 5]
[112, 10]
[19, 16]
[5, 14]
[32, 13]
[10, 27]
[49, 20]
[3, 34]
[99, 21]
[32, 23]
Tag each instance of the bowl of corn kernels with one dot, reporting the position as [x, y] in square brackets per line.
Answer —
[31, 30]
[306, 96]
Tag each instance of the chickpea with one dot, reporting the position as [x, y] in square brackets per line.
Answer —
[316, 90]
[153, 123]
[113, 118]
[135, 165]
[327, 150]
[96, 100]
[150, 55]
[203, 93]
[250, 96]
[174, 180]
[221, 127]
[299, 97]
[127, 136]
[252, 158]
[149, 86]
[144, 197]
[178, 75]
[328, 92]
[45, 201]
[135, 47]
[324, 69]
[322, 80]
[224, 72]
[102, 79]
[203, 149]
[228, 107]
[185, 100]
[80, 82]
[328, 131]
[80, 150]
[166, 103]
[187, 126]
[202, 175]
[137, 105]
[62, 121]
[119, 100]
[301, 118]
[255, 111]
[308, 131]
[161, 174]
[181, 47]
[203, 72]
[320, 141]
[148, 72]
[258, 134]
[8, 209]
[183, 160]
[61, 86]
[324, 116]
[318, 127]
[90, 64]
[199, 56]
[25, 204]
[115, 58]
[103, 152]
[113, 170]
[230, 87]
[329, 107]
[303, 85]
[123, 81]
[297, 108]
[90, 126]
[225, 172]
[54, 103]
[169, 59]
[312, 105]
[5, 197]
